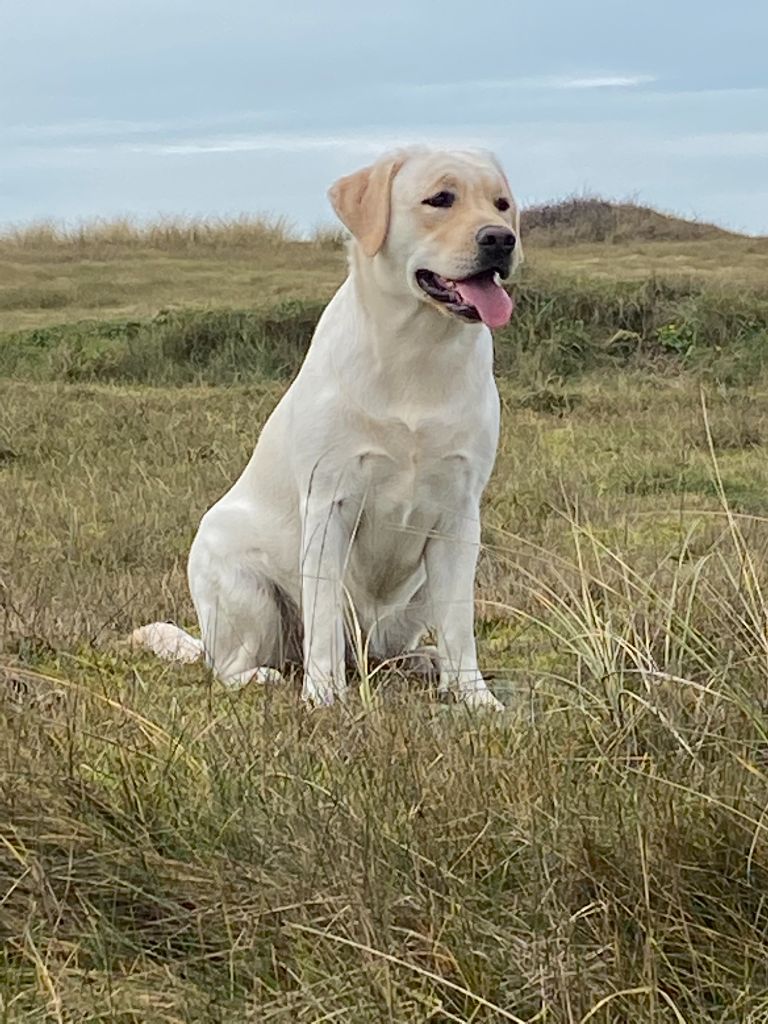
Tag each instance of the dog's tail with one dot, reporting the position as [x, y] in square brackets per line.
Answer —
[168, 641]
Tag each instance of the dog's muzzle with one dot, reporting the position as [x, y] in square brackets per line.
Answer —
[495, 246]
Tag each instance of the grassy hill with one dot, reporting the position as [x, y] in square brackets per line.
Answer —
[591, 219]
[172, 853]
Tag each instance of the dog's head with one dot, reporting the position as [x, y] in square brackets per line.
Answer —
[442, 225]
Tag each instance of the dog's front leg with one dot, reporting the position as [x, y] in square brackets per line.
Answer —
[451, 561]
[324, 551]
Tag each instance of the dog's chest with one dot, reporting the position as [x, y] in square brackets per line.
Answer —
[414, 471]
[408, 481]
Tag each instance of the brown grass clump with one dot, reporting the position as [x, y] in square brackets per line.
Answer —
[168, 234]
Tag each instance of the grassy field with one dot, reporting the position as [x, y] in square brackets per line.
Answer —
[170, 853]
[122, 271]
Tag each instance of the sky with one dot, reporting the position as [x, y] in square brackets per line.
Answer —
[195, 107]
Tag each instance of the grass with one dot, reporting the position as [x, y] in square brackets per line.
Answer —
[585, 218]
[119, 270]
[564, 326]
[170, 853]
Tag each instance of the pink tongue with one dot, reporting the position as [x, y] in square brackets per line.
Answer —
[489, 299]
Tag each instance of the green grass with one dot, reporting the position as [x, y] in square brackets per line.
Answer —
[171, 853]
[563, 327]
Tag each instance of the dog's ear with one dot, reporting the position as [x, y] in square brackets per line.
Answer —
[362, 202]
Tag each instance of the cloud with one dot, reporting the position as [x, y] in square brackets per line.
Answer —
[91, 127]
[287, 143]
[298, 143]
[105, 128]
[366, 145]
[97, 131]
[537, 82]
[602, 82]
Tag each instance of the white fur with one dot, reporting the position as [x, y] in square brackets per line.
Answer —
[362, 497]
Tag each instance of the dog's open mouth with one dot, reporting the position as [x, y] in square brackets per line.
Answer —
[475, 298]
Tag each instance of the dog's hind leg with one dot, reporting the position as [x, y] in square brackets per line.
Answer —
[247, 628]
[244, 629]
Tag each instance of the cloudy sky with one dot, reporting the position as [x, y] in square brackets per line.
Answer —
[142, 107]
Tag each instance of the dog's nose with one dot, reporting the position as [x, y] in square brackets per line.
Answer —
[496, 240]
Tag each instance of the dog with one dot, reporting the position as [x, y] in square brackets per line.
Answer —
[358, 513]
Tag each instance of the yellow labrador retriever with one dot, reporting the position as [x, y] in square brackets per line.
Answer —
[361, 501]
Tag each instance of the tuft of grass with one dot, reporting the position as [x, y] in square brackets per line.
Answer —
[329, 236]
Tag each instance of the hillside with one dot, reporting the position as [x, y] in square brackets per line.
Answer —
[592, 219]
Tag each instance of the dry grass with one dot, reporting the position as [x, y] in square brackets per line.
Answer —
[119, 269]
[170, 854]
[730, 264]
[592, 219]
[100, 238]
[50, 274]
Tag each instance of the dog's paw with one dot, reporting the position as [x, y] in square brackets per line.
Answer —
[268, 676]
[481, 699]
[167, 641]
[240, 680]
[320, 693]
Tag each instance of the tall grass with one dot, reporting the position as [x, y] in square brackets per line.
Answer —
[563, 222]
[171, 854]
[599, 853]
[169, 234]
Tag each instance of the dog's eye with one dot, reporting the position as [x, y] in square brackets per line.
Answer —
[502, 204]
[440, 199]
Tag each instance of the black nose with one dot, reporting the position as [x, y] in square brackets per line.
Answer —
[495, 240]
